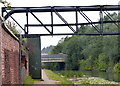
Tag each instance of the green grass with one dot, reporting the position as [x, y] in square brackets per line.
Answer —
[28, 80]
[84, 80]
[54, 76]
[65, 82]
[57, 77]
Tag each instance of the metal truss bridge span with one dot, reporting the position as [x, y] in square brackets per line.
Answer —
[97, 26]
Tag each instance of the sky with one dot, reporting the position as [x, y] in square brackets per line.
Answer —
[53, 40]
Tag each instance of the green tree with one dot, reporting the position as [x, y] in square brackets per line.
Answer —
[92, 52]
[82, 64]
[57, 49]
[117, 68]
[89, 63]
[102, 62]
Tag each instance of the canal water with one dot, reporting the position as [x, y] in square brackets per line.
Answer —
[105, 75]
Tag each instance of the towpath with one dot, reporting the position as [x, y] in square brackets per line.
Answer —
[46, 79]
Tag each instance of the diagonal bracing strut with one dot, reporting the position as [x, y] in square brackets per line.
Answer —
[57, 9]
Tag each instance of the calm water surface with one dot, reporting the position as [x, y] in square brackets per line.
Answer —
[106, 75]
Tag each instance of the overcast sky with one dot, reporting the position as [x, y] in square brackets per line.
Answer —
[49, 40]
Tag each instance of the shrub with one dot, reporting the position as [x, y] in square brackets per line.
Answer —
[70, 73]
[117, 68]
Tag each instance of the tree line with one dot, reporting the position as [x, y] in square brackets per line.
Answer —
[92, 52]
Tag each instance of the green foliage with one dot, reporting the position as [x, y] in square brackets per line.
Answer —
[65, 83]
[23, 48]
[71, 74]
[117, 68]
[73, 49]
[55, 66]
[47, 49]
[91, 52]
[24, 45]
[6, 4]
[57, 76]
[24, 40]
[54, 76]
[102, 62]
[89, 63]
[82, 64]
[11, 25]
[57, 49]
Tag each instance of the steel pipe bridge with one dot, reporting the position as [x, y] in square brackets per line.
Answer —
[56, 10]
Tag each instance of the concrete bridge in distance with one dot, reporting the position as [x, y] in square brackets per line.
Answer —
[53, 58]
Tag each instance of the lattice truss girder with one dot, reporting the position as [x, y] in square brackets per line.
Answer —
[78, 10]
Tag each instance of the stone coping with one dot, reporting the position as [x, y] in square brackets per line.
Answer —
[3, 25]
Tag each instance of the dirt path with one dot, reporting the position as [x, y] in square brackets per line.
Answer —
[46, 79]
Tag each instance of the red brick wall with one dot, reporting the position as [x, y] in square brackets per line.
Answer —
[9, 54]
[0, 55]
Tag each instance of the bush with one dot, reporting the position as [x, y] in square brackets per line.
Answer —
[89, 63]
[117, 68]
[102, 62]
[71, 73]
[82, 64]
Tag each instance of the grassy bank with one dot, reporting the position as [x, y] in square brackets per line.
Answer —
[58, 77]
[70, 73]
[78, 80]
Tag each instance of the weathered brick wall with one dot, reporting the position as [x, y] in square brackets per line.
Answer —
[9, 54]
[0, 55]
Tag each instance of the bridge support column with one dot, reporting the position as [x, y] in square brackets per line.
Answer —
[34, 45]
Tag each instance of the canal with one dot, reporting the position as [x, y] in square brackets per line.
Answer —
[111, 76]
[105, 75]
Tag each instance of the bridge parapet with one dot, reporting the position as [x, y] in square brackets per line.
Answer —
[53, 58]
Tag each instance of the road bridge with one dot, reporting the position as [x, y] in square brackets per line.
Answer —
[53, 58]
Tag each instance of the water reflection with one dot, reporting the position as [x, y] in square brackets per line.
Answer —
[117, 77]
[106, 75]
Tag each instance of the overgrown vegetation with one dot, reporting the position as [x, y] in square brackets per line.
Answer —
[117, 68]
[11, 25]
[63, 78]
[58, 77]
[53, 75]
[71, 74]
[55, 66]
